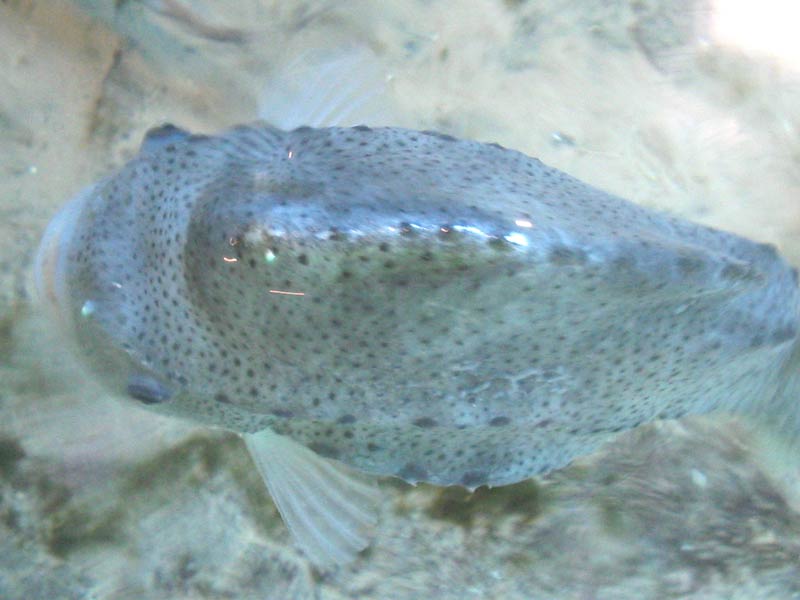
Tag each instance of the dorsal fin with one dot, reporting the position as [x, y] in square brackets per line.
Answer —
[317, 89]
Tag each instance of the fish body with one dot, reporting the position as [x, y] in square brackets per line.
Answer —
[406, 303]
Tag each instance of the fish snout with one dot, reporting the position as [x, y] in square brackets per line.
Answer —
[51, 257]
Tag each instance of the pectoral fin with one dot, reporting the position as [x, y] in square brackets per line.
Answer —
[329, 508]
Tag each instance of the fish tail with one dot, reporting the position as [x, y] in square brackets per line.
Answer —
[776, 419]
[784, 411]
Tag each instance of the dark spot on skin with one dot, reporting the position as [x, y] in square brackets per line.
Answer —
[302, 259]
[784, 335]
[499, 243]
[499, 421]
[283, 414]
[406, 229]
[425, 422]
[413, 472]
[325, 450]
[346, 419]
[563, 255]
[361, 128]
[769, 250]
[383, 247]
[689, 265]
[222, 398]
[373, 447]
[474, 478]
[734, 272]
[623, 262]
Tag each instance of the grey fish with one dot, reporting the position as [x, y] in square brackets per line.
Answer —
[407, 304]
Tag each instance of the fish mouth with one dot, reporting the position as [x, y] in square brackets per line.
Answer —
[49, 263]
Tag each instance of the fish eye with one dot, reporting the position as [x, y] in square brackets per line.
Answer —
[147, 390]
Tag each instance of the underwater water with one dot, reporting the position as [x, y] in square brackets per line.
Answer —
[674, 105]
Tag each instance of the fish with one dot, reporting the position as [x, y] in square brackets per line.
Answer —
[365, 301]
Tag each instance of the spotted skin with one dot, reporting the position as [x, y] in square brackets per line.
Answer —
[411, 304]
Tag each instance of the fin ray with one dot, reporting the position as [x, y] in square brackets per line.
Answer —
[342, 89]
[329, 508]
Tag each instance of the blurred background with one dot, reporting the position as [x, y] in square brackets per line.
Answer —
[690, 106]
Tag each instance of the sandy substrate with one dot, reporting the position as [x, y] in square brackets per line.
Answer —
[102, 501]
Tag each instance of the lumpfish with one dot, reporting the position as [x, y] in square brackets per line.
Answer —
[395, 302]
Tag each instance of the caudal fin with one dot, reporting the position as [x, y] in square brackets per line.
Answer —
[781, 413]
[777, 427]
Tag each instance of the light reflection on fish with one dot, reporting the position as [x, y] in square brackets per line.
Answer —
[408, 304]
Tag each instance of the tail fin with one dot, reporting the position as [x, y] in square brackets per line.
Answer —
[785, 411]
[777, 432]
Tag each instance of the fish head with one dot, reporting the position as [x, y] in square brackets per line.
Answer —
[81, 302]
